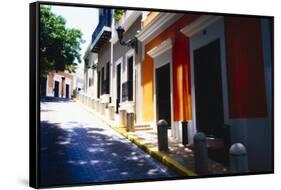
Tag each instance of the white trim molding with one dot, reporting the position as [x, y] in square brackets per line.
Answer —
[118, 62]
[158, 50]
[162, 55]
[159, 23]
[131, 53]
[215, 30]
[198, 25]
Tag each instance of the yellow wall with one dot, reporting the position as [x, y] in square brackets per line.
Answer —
[147, 84]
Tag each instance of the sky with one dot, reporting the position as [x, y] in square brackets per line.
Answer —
[83, 18]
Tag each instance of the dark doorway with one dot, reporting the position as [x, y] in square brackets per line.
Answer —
[67, 90]
[57, 85]
[107, 77]
[163, 98]
[102, 82]
[208, 98]
[118, 85]
[99, 81]
[130, 77]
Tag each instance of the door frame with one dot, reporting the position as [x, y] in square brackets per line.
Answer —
[59, 88]
[131, 53]
[162, 55]
[67, 91]
[202, 82]
[117, 63]
[68, 82]
[203, 31]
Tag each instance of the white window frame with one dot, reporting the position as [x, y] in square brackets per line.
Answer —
[118, 62]
[131, 53]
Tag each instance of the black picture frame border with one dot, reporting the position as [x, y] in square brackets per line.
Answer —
[34, 91]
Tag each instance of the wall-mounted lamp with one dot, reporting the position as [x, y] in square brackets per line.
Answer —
[133, 43]
[94, 66]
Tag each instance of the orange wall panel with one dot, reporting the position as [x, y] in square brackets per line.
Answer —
[182, 97]
[147, 84]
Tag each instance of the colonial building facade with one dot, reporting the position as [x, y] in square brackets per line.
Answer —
[214, 72]
[207, 73]
[59, 84]
[126, 65]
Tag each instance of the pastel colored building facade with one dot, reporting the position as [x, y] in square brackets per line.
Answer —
[59, 84]
[206, 73]
[214, 72]
[126, 69]
[90, 74]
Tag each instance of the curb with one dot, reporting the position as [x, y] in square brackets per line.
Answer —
[152, 151]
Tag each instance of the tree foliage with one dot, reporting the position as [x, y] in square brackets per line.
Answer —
[118, 13]
[59, 45]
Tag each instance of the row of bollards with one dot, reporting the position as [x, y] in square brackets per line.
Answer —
[100, 107]
[238, 158]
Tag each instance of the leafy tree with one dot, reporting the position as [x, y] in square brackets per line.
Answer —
[118, 13]
[59, 45]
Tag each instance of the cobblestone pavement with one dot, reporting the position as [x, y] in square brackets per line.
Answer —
[76, 148]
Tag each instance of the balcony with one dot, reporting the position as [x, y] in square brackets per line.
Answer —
[102, 32]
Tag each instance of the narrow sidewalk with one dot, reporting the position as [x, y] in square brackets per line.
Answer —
[178, 158]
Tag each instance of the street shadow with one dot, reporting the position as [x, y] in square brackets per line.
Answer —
[75, 155]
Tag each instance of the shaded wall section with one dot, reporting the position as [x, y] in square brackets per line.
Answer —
[246, 81]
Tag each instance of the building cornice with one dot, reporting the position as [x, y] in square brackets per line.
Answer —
[161, 22]
[158, 50]
[199, 24]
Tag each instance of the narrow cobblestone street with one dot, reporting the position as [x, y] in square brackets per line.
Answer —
[77, 148]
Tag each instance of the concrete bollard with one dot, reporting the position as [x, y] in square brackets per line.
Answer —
[88, 101]
[98, 106]
[200, 153]
[111, 111]
[122, 117]
[184, 132]
[93, 103]
[238, 158]
[130, 122]
[162, 134]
